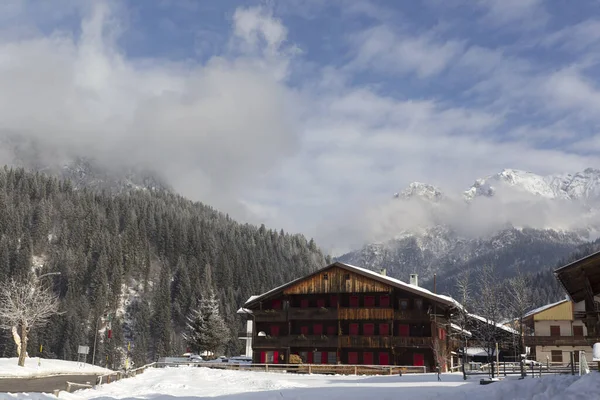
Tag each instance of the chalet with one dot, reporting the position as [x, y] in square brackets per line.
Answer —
[556, 332]
[343, 314]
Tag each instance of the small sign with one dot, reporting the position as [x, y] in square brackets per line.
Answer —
[83, 350]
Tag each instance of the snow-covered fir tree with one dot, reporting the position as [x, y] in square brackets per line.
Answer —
[206, 329]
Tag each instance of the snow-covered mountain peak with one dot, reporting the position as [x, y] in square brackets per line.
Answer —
[420, 190]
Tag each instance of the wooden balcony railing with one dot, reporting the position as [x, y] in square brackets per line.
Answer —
[411, 315]
[560, 340]
[366, 313]
[313, 313]
[269, 342]
[270, 315]
[316, 341]
[411, 341]
[366, 341]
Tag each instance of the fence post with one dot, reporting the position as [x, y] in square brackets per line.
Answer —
[266, 367]
[355, 370]
[390, 370]
[309, 369]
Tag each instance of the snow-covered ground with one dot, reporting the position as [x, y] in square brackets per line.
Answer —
[201, 383]
[9, 367]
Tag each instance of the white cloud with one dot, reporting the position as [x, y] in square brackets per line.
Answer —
[529, 13]
[381, 49]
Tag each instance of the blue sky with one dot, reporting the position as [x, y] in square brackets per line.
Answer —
[303, 114]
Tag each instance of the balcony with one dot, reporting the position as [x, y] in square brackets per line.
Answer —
[412, 341]
[411, 315]
[561, 340]
[269, 315]
[366, 313]
[315, 341]
[366, 341]
[313, 313]
[269, 342]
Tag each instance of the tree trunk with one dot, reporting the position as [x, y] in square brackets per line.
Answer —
[24, 338]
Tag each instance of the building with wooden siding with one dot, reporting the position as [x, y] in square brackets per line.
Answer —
[344, 314]
[556, 330]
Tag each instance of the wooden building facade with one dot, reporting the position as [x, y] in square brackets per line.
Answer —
[343, 314]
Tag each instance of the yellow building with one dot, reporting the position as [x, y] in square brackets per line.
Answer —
[557, 332]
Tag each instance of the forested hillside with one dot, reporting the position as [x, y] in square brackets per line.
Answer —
[142, 258]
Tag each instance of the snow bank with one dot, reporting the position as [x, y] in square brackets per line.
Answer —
[190, 383]
[9, 368]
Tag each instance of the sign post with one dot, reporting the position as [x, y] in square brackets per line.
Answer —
[82, 351]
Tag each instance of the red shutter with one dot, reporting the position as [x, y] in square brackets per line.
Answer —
[352, 357]
[333, 301]
[275, 357]
[274, 330]
[318, 329]
[309, 357]
[304, 303]
[368, 358]
[369, 301]
[353, 301]
[384, 301]
[384, 329]
[403, 330]
[418, 360]
[384, 359]
[263, 357]
[320, 302]
[331, 330]
[353, 329]
[304, 330]
[368, 329]
[324, 357]
[276, 304]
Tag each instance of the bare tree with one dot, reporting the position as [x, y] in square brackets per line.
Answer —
[520, 301]
[461, 318]
[491, 309]
[24, 306]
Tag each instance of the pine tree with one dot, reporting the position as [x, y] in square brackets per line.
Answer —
[206, 329]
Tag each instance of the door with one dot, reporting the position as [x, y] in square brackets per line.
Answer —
[368, 358]
[310, 357]
[384, 359]
[418, 360]
[275, 357]
[263, 357]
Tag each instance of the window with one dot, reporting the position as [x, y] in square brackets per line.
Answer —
[384, 359]
[557, 356]
[318, 329]
[418, 304]
[369, 301]
[304, 303]
[368, 329]
[347, 277]
[269, 357]
[354, 301]
[384, 329]
[354, 329]
[554, 330]
[577, 330]
[368, 358]
[325, 276]
[274, 330]
[304, 330]
[403, 304]
[317, 357]
[352, 357]
[332, 357]
[384, 301]
[320, 302]
[303, 356]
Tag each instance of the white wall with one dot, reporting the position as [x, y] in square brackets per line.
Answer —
[541, 352]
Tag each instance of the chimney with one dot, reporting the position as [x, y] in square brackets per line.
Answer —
[383, 272]
[414, 279]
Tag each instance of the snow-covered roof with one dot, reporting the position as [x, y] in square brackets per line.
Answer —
[447, 300]
[543, 308]
[459, 329]
[478, 352]
[497, 324]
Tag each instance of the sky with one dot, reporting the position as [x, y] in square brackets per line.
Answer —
[302, 114]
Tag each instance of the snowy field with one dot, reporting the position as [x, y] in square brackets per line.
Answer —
[201, 383]
[9, 368]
